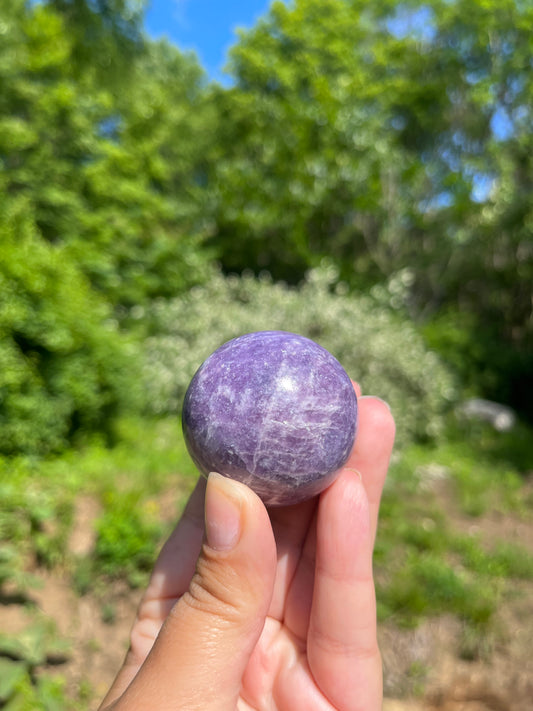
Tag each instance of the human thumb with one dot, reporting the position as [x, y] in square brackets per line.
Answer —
[202, 650]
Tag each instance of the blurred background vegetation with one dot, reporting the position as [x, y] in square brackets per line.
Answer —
[365, 179]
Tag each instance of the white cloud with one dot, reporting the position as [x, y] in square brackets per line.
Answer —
[179, 13]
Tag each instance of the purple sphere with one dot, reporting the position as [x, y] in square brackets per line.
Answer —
[274, 410]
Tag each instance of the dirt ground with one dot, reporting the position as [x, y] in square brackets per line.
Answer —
[423, 668]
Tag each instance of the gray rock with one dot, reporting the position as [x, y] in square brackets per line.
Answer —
[501, 417]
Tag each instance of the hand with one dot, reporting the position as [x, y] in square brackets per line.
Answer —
[260, 609]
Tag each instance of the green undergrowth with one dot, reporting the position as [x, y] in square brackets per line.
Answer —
[22, 686]
[431, 557]
[38, 502]
[37, 519]
[485, 469]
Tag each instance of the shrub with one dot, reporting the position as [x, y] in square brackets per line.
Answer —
[128, 535]
[377, 347]
[63, 364]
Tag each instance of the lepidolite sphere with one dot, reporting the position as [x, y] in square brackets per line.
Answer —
[274, 410]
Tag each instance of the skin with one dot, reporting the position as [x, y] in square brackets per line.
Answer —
[282, 616]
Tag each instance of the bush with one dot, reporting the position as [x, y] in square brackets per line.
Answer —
[63, 364]
[377, 347]
[128, 535]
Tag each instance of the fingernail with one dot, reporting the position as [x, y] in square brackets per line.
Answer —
[355, 471]
[375, 397]
[222, 513]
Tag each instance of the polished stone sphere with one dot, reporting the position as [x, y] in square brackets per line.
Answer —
[274, 410]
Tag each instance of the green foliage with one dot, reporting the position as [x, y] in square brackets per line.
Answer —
[23, 692]
[140, 234]
[36, 644]
[378, 349]
[485, 363]
[128, 537]
[507, 560]
[113, 179]
[107, 35]
[391, 136]
[92, 216]
[63, 365]
[38, 501]
[309, 158]
[21, 688]
[497, 458]
[35, 523]
[426, 562]
[427, 585]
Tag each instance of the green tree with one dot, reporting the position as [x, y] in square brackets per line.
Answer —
[147, 210]
[466, 113]
[100, 209]
[396, 138]
[305, 171]
[106, 37]
[113, 179]
[63, 364]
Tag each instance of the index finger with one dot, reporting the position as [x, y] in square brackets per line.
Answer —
[372, 451]
[342, 640]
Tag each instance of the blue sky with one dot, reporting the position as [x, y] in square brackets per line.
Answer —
[206, 26]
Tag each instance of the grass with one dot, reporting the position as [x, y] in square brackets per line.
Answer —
[426, 564]
[36, 519]
[38, 496]
[428, 561]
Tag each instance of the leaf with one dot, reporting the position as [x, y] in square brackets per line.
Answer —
[11, 674]
[37, 644]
